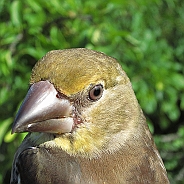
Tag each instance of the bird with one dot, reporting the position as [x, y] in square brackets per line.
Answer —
[84, 125]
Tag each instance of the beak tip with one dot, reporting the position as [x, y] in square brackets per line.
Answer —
[14, 130]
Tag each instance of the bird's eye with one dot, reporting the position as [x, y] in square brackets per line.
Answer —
[96, 92]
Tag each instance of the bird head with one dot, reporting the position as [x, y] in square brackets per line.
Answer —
[81, 97]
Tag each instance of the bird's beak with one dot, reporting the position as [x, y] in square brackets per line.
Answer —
[44, 111]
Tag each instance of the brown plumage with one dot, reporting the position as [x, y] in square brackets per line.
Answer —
[85, 124]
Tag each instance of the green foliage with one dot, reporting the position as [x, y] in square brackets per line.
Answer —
[145, 36]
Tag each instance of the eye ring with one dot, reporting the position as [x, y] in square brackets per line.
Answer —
[96, 92]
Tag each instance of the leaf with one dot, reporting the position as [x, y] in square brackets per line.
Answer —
[4, 127]
[16, 13]
[9, 137]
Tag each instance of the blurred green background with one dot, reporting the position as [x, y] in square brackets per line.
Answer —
[147, 37]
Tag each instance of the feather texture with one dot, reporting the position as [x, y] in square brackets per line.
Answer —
[109, 141]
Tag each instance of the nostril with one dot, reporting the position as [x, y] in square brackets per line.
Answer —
[57, 95]
[61, 95]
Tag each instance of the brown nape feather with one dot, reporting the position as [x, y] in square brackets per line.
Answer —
[109, 141]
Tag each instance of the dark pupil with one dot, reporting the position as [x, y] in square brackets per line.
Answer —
[97, 91]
